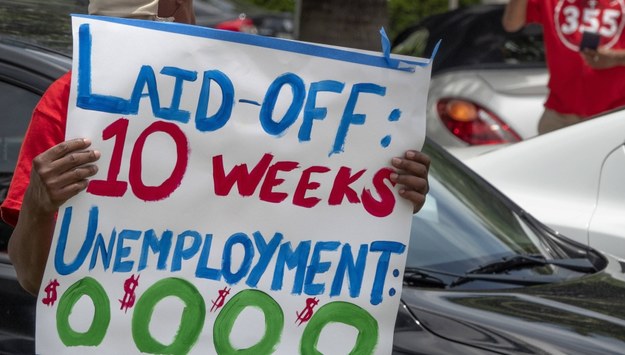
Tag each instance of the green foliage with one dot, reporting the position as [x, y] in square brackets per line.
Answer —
[401, 13]
[276, 5]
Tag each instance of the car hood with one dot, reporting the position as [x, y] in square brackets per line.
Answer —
[581, 316]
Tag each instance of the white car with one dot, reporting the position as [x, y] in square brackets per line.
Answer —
[572, 179]
[488, 86]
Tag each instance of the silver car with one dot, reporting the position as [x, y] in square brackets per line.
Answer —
[488, 86]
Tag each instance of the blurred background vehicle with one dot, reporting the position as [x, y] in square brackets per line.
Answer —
[488, 86]
[26, 71]
[41, 22]
[571, 179]
[240, 16]
[47, 22]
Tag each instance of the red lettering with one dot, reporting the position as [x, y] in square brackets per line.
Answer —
[274, 175]
[271, 181]
[162, 191]
[299, 197]
[385, 206]
[112, 186]
[246, 181]
[341, 187]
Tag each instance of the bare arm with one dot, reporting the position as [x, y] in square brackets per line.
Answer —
[604, 58]
[514, 15]
[57, 175]
[413, 169]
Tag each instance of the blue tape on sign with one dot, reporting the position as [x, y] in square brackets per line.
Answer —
[435, 50]
[392, 62]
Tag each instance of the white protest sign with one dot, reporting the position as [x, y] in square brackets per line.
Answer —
[243, 198]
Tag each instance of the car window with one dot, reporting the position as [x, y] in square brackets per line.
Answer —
[475, 39]
[415, 44]
[17, 103]
[43, 22]
[525, 47]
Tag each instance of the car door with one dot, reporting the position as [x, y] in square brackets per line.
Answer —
[17, 100]
[25, 73]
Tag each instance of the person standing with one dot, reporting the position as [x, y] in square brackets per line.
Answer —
[585, 80]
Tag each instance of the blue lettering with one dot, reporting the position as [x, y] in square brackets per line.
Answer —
[355, 271]
[271, 97]
[305, 261]
[221, 117]
[59, 261]
[180, 252]
[122, 251]
[248, 254]
[105, 251]
[291, 259]
[385, 248]
[317, 267]
[85, 98]
[173, 112]
[275, 126]
[158, 246]
[146, 77]
[202, 270]
[266, 252]
[351, 118]
[311, 111]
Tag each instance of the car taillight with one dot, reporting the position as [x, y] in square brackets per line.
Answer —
[474, 124]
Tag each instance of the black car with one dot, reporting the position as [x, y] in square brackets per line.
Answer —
[484, 277]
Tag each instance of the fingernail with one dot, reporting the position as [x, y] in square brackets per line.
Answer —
[410, 154]
[396, 161]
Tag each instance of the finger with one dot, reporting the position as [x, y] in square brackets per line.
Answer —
[419, 157]
[410, 167]
[411, 182]
[61, 195]
[72, 177]
[73, 160]
[51, 170]
[413, 161]
[62, 149]
[417, 199]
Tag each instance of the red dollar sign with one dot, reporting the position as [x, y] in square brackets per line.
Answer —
[307, 312]
[129, 297]
[50, 293]
[219, 302]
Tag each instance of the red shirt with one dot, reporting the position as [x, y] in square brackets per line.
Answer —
[574, 86]
[46, 129]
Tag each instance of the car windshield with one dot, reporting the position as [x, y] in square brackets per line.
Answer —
[466, 225]
[472, 37]
[43, 22]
